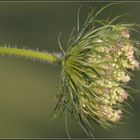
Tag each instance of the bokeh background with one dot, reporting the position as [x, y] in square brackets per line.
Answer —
[28, 88]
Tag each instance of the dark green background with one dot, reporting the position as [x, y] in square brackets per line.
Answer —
[27, 88]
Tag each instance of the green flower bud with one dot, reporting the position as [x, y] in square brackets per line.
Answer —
[96, 65]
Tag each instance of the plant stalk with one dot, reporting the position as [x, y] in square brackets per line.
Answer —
[35, 55]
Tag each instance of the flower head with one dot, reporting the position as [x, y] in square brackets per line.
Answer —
[96, 69]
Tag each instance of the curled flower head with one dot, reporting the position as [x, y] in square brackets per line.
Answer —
[96, 69]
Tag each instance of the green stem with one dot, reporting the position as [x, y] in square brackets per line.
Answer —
[35, 55]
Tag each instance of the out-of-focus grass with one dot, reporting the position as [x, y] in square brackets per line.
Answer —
[27, 88]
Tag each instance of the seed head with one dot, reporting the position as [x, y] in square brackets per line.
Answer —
[96, 69]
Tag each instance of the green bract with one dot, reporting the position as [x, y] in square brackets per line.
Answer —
[96, 68]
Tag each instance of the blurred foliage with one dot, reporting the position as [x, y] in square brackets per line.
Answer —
[28, 88]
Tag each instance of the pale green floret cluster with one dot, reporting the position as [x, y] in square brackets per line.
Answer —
[96, 68]
[95, 72]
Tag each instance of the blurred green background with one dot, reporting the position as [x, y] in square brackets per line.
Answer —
[27, 88]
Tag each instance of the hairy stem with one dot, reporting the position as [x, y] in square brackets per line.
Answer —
[35, 55]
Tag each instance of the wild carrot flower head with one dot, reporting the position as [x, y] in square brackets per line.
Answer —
[96, 69]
